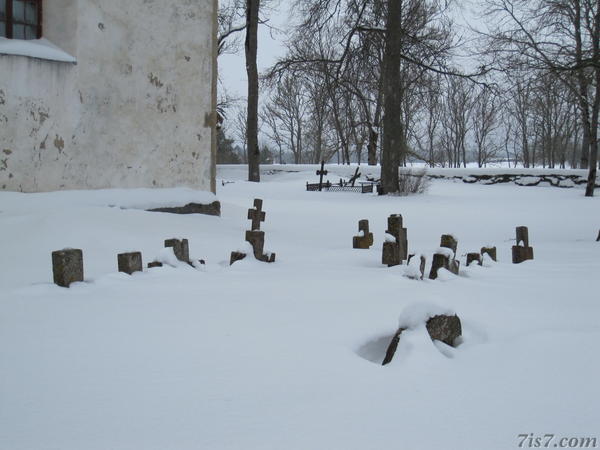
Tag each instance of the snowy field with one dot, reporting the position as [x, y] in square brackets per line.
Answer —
[287, 355]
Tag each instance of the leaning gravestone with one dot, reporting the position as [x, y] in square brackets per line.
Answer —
[255, 237]
[365, 238]
[444, 328]
[445, 257]
[395, 251]
[490, 251]
[522, 251]
[180, 248]
[67, 266]
[130, 262]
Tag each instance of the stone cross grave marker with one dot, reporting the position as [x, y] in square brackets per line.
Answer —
[256, 214]
[521, 253]
[394, 252]
[67, 266]
[130, 262]
[364, 238]
[321, 173]
[255, 237]
[354, 177]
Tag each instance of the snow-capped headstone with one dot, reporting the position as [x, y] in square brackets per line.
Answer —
[474, 257]
[365, 238]
[396, 250]
[440, 327]
[490, 251]
[67, 266]
[445, 257]
[180, 248]
[130, 262]
[522, 251]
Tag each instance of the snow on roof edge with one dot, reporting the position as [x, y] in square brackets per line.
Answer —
[35, 48]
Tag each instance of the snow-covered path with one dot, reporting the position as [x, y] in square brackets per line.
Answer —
[280, 356]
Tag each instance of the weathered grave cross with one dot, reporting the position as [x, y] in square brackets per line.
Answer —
[321, 173]
[256, 215]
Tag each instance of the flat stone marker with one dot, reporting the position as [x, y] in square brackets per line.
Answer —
[522, 251]
[393, 253]
[67, 266]
[444, 328]
[490, 251]
[474, 257]
[180, 248]
[154, 264]
[130, 262]
[365, 238]
[256, 215]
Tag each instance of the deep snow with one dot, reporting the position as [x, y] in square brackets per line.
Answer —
[287, 355]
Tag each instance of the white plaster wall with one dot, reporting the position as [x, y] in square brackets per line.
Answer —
[136, 110]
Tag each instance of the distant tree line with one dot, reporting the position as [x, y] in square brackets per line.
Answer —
[376, 81]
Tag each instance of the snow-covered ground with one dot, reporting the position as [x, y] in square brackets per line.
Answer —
[287, 355]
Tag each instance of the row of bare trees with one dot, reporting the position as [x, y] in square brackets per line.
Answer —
[376, 81]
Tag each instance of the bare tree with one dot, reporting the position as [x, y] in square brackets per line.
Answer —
[484, 118]
[561, 37]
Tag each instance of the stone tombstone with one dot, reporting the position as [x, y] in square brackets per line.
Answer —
[321, 173]
[67, 266]
[180, 248]
[257, 241]
[522, 251]
[365, 239]
[474, 257]
[422, 263]
[236, 256]
[394, 252]
[490, 251]
[130, 262]
[443, 259]
[444, 328]
[448, 241]
[256, 214]
[154, 264]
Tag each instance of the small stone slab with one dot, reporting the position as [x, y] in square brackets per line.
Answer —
[210, 209]
[67, 266]
[422, 263]
[364, 241]
[154, 264]
[180, 248]
[391, 350]
[490, 251]
[130, 262]
[236, 256]
[444, 328]
[474, 257]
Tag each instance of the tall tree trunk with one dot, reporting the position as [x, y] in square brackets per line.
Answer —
[252, 7]
[392, 95]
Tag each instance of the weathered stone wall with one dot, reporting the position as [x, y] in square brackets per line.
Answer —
[135, 111]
